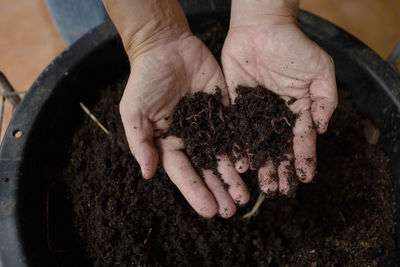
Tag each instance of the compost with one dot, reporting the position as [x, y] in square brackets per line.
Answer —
[258, 125]
[346, 217]
[263, 126]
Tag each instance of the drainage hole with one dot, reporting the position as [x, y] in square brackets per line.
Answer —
[17, 133]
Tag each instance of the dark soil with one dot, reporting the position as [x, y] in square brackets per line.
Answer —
[263, 126]
[345, 218]
[202, 123]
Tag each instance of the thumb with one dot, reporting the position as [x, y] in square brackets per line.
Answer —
[139, 133]
[324, 96]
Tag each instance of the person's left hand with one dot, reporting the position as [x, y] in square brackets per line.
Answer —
[279, 56]
[167, 63]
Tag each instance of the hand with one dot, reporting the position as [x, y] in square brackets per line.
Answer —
[167, 64]
[269, 49]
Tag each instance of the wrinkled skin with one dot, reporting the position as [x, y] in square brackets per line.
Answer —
[161, 73]
[283, 59]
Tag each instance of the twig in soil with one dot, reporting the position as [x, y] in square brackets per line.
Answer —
[194, 116]
[87, 111]
[148, 235]
[255, 208]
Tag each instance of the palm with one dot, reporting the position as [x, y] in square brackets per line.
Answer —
[284, 60]
[159, 78]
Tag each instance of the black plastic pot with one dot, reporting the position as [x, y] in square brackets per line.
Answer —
[49, 114]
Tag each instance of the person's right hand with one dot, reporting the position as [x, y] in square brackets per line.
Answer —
[167, 63]
[265, 47]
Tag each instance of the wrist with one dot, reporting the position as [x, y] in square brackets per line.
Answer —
[263, 12]
[143, 24]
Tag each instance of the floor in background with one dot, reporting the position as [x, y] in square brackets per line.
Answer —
[375, 22]
[29, 41]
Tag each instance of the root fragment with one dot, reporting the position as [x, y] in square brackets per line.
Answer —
[255, 208]
[148, 235]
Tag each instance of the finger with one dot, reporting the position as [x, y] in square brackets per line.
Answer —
[242, 165]
[236, 187]
[226, 205]
[183, 175]
[268, 178]
[304, 143]
[324, 96]
[287, 178]
[139, 133]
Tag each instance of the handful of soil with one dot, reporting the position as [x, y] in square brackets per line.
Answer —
[258, 125]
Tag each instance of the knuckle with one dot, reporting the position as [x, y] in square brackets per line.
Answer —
[304, 129]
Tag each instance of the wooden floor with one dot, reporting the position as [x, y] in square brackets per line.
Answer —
[29, 41]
